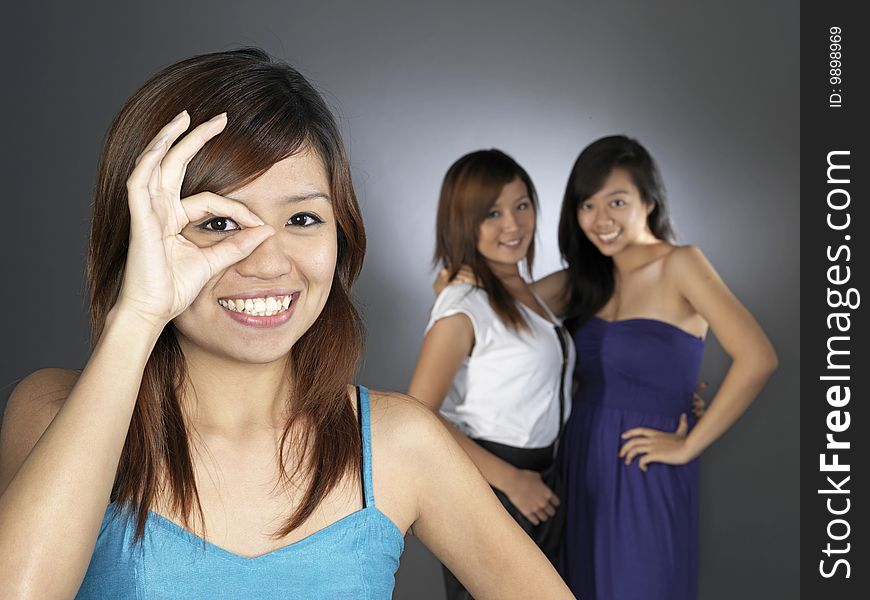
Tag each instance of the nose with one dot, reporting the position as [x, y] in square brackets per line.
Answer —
[510, 222]
[268, 261]
[602, 217]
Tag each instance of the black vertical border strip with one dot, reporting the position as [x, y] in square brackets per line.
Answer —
[825, 129]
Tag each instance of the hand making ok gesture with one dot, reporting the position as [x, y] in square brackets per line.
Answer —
[165, 271]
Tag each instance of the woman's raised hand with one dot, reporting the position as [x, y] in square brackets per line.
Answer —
[464, 275]
[165, 271]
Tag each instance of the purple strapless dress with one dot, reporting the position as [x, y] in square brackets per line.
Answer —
[630, 535]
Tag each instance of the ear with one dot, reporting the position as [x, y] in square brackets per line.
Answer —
[650, 206]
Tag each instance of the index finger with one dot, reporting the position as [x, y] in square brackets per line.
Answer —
[176, 160]
[205, 204]
[155, 151]
[639, 431]
[170, 132]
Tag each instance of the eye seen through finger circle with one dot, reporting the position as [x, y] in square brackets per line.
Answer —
[220, 224]
[305, 219]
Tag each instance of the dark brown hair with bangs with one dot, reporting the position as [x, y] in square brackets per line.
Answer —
[273, 112]
[470, 188]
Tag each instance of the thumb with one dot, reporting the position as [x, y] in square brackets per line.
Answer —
[683, 427]
[236, 247]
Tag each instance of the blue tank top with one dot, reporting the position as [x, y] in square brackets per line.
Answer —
[354, 558]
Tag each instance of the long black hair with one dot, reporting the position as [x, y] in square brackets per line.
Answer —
[590, 273]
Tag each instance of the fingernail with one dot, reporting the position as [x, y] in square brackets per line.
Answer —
[160, 142]
[223, 115]
[179, 116]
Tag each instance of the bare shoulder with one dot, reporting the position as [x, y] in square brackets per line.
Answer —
[31, 407]
[404, 424]
[40, 393]
[684, 256]
[409, 433]
[553, 282]
[409, 443]
[553, 290]
[687, 262]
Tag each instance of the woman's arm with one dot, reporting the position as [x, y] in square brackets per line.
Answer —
[553, 290]
[54, 491]
[753, 361]
[453, 510]
[445, 346]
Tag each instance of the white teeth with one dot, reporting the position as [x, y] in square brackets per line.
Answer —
[608, 237]
[261, 307]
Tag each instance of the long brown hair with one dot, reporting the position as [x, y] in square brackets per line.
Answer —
[470, 188]
[273, 112]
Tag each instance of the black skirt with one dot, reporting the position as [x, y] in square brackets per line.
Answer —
[548, 534]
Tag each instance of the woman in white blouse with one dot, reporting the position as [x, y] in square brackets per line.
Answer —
[495, 362]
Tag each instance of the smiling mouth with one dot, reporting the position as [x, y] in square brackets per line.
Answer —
[512, 243]
[609, 237]
[258, 307]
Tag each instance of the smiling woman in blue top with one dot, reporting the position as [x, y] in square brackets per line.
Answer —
[212, 445]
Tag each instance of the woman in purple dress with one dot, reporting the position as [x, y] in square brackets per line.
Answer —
[639, 308]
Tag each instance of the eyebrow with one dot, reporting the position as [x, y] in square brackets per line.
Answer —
[617, 192]
[517, 199]
[293, 198]
[306, 196]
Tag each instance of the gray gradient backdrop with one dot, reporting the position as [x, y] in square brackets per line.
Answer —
[710, 87]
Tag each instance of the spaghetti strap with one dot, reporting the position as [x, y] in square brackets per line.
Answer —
[357, 555]
[365, 434]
